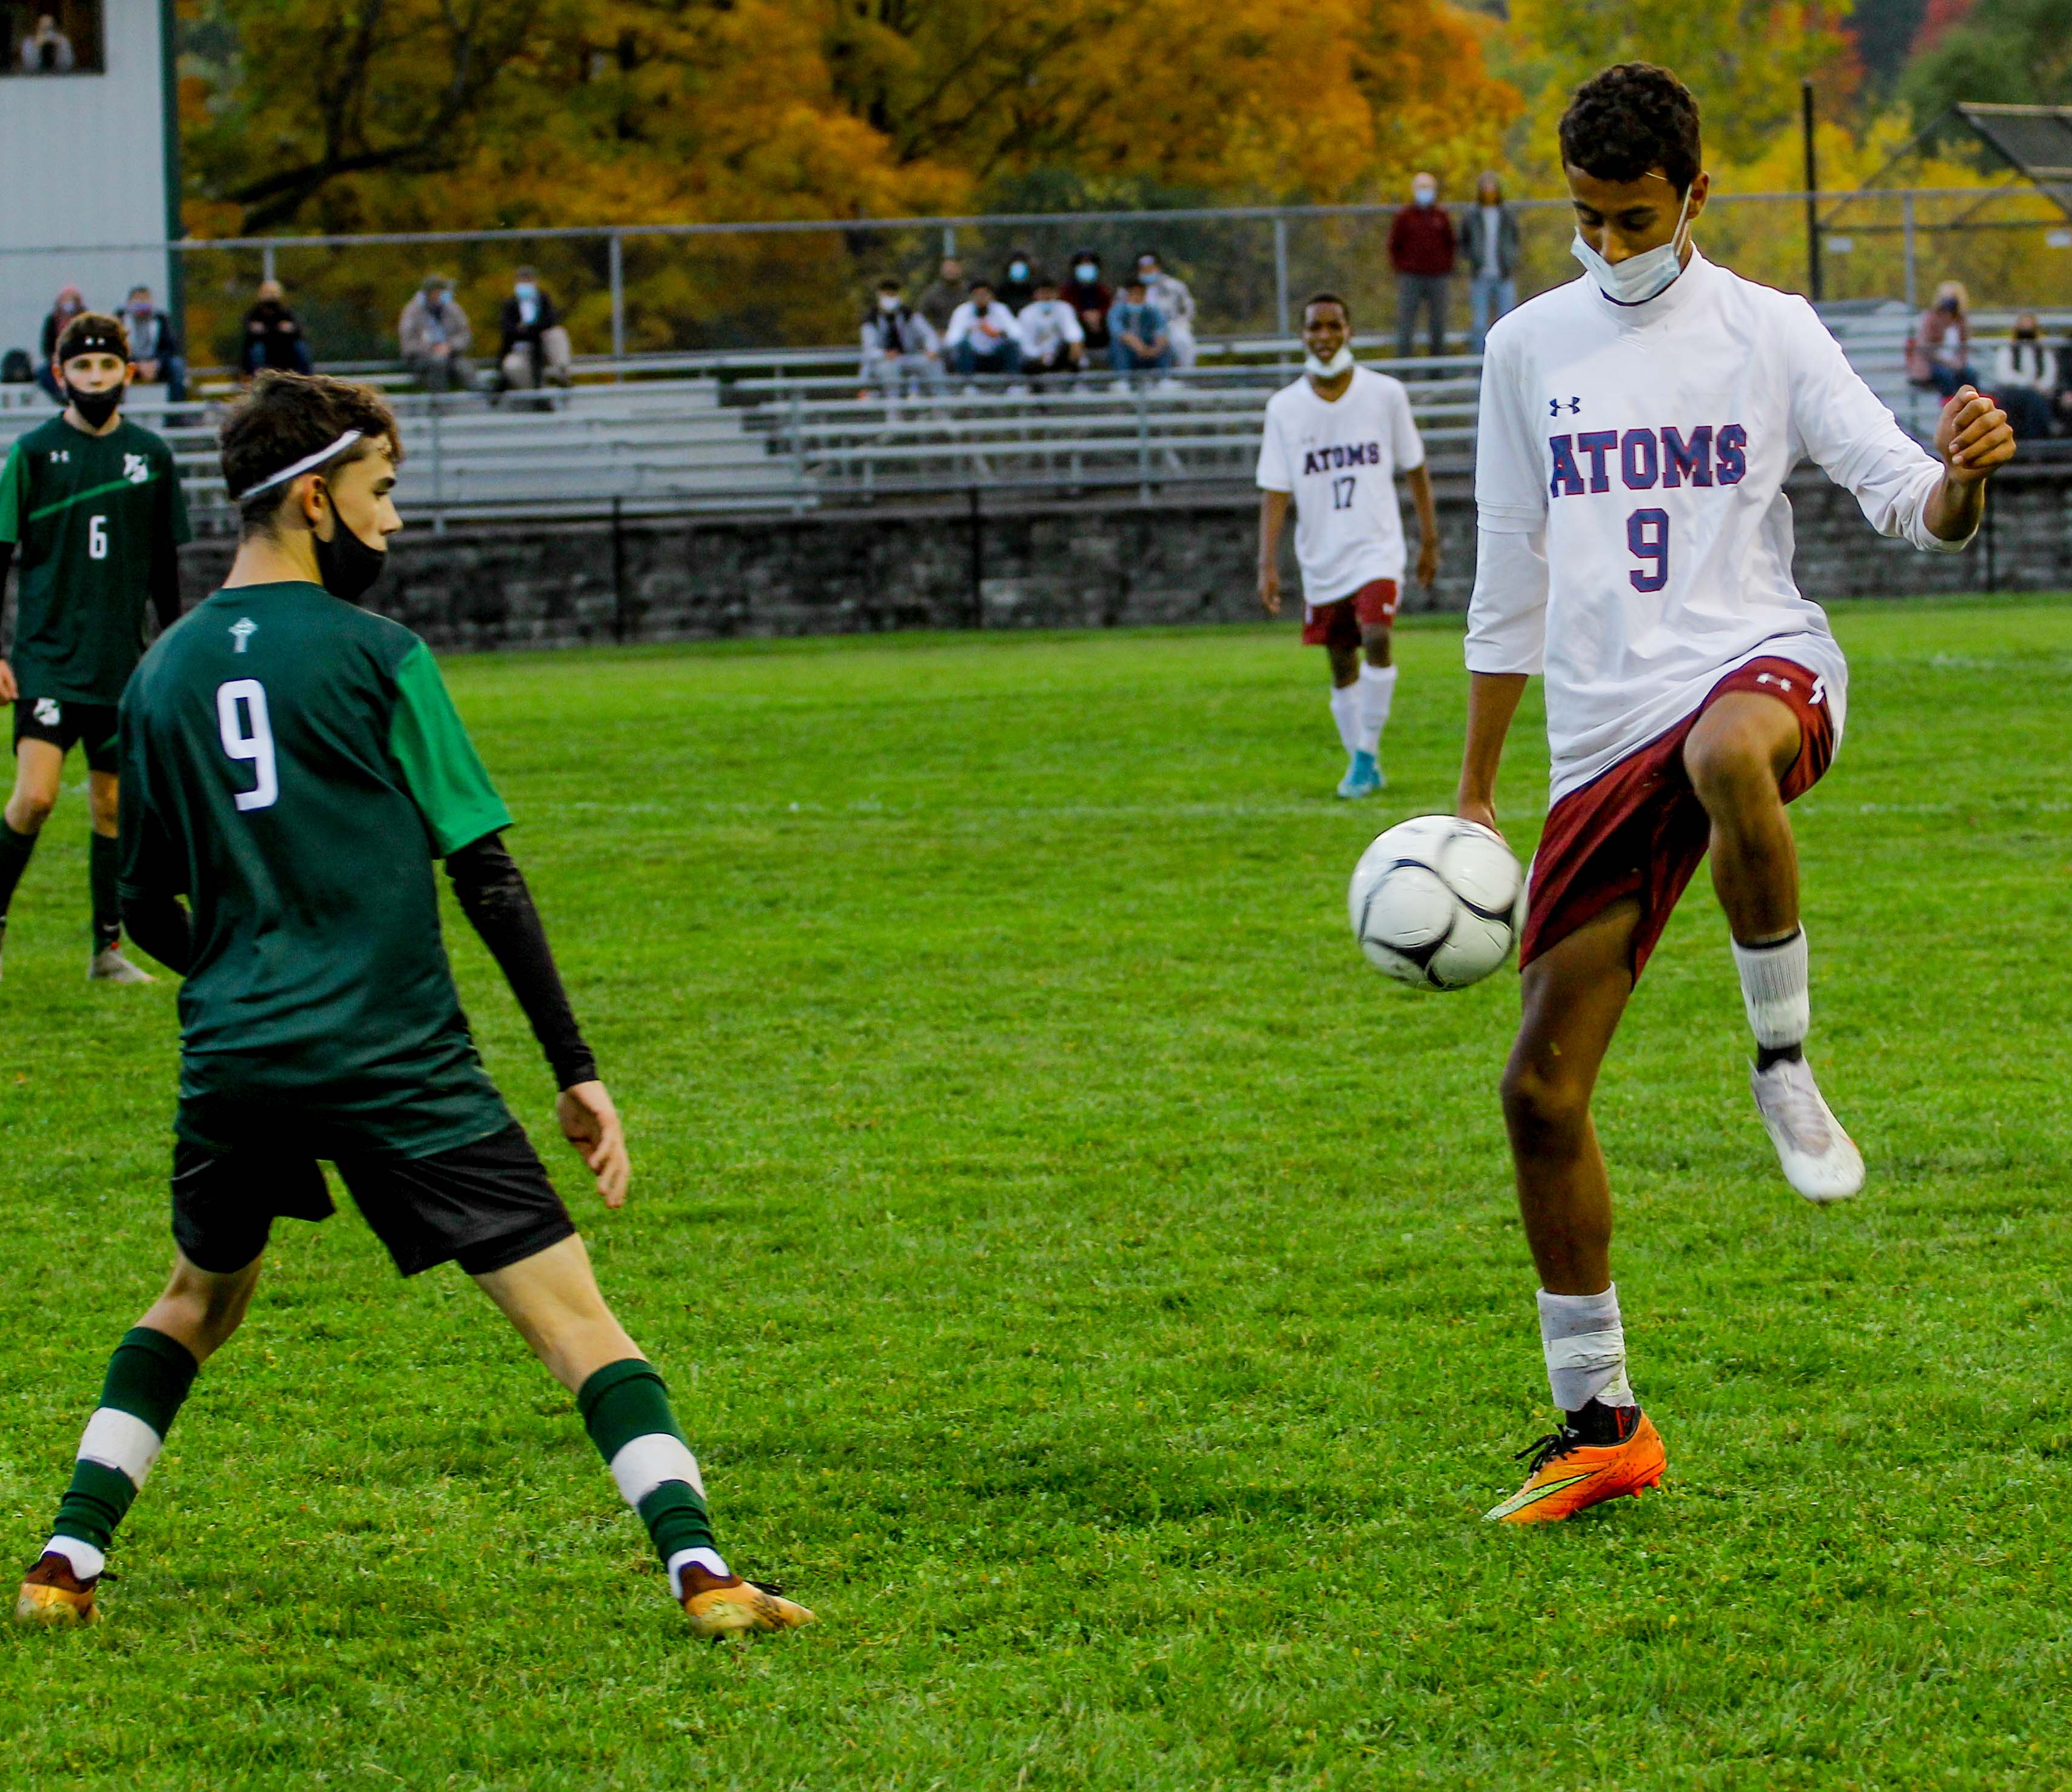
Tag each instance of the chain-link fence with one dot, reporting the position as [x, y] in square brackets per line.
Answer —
[634, 290]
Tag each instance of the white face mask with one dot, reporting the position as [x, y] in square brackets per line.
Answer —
[887, 303]
[1639, 278]
[1332, 369]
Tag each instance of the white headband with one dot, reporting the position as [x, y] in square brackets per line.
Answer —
[301, 467]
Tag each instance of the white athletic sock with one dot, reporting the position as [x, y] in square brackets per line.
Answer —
[1345, 712]
[708, 1560]
[1586, 1348]
[86, 1561]
[1377, 691]
[1774, 990]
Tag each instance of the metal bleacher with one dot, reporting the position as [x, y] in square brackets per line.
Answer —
[789, 430]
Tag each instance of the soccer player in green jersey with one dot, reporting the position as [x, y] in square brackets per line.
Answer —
[292, 766]
[90, 505]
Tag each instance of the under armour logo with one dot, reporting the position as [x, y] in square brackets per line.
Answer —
[1771, 678]
[1554, 406]
[242, 630]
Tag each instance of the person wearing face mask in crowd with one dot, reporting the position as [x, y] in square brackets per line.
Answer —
[273, 337]
[1090, 298]
[154, 347]
[1421, 250]
[535, 350]
[2024, 378]
[1488, 237]
[1176, 305]
[91, 508]
[902, 353]
[1939, 353]
[1052, 341]
[1017, 291]
[435, 336]
[71, 303]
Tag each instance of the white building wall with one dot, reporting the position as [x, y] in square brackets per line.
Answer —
[83, 170]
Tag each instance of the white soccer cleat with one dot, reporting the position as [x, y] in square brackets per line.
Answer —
[1819, 1158]
[110, 966]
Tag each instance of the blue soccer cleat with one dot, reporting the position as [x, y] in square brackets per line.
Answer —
[1363, 777]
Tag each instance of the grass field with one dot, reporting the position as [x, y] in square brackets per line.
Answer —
[1096, 1292]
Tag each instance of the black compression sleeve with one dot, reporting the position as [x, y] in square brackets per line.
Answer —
[166, 581]
[162, 927]
[493, 896]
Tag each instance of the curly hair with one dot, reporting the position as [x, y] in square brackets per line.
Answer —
[1629, 121]
[286, 416]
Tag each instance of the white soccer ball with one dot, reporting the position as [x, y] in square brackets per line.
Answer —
[1437, 902]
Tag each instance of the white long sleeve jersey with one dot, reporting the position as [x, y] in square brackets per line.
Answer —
[1635, 540]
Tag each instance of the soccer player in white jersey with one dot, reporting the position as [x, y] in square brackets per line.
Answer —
[1638, 426]
[1334, 442]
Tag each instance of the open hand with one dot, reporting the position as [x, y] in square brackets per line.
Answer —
[1973, 436]
[590, 1124]
[1428, 562]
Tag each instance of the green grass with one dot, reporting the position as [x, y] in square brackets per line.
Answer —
[1093, 1290]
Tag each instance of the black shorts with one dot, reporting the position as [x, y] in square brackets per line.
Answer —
[66, 724]
[485, 1206]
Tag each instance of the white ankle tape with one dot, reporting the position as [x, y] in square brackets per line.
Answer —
[1584, 1344]
[1775, 990]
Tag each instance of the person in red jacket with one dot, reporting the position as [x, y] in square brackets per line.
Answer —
[1421, 250]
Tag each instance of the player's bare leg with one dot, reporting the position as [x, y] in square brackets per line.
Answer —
[38, 768]
[108, 964]
[148, 1379]
[1574, 996]
[552, 1297]
[1737, 756]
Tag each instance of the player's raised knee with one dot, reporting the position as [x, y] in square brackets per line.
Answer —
[1540, 1107]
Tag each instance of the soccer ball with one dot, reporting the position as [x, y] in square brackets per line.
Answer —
[1437, 902]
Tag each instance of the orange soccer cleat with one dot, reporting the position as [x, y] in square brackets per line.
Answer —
[1568, 1474]
[734, 1607]
[53, 1594]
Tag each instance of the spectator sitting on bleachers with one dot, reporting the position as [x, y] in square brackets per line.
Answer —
[1939, 353]
[941, 297]
[1176, 305]
[435, 336]
[273, 337]
[154, 347]
[71, 301]
[1017, 291]
[2024, 378]
[1138, 342]
[1089, 296]
[1052, 341]
[901, 351]
[982, 338]
[535, 349]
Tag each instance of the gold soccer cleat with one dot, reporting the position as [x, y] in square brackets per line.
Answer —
[53, 1594]
[736, 1607]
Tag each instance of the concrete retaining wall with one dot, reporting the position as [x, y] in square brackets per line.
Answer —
[1177, 560]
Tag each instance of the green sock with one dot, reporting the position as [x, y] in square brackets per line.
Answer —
[14, 851]
[625, 1406]
[148, 1377]
[103, 864]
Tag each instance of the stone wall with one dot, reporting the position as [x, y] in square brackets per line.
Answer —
[1092, 565]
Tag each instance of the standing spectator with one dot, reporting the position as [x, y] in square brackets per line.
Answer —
[1052, 340]
[941, 297]
[902, 353]
[982, 338]
[1175, 304]
[1488, 239]
[71, 303]
[535, 348]
[1939, 353]
[1138, 341]
[2025, 376]
[436, 336]
[154, 347]
[46, 50]
[273, 337]
[1017, 291]
[1421, 250]
[1090, 298]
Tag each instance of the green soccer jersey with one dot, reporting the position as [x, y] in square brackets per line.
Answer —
[293, 765]
[89, 517]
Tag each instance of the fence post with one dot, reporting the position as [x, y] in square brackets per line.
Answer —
[1143, 441]
[1280, 270]
[266, 262]
[618, 569]
[1912, 302]
[617, 303]
[439, 470]
[949, 241]
[977, 559]
[798, 453]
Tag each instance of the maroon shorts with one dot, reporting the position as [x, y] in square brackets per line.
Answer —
[1338, 624]
[1638, 829]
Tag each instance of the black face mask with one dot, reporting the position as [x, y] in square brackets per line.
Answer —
[346, 565]
[95, 407]
[2025, 336]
